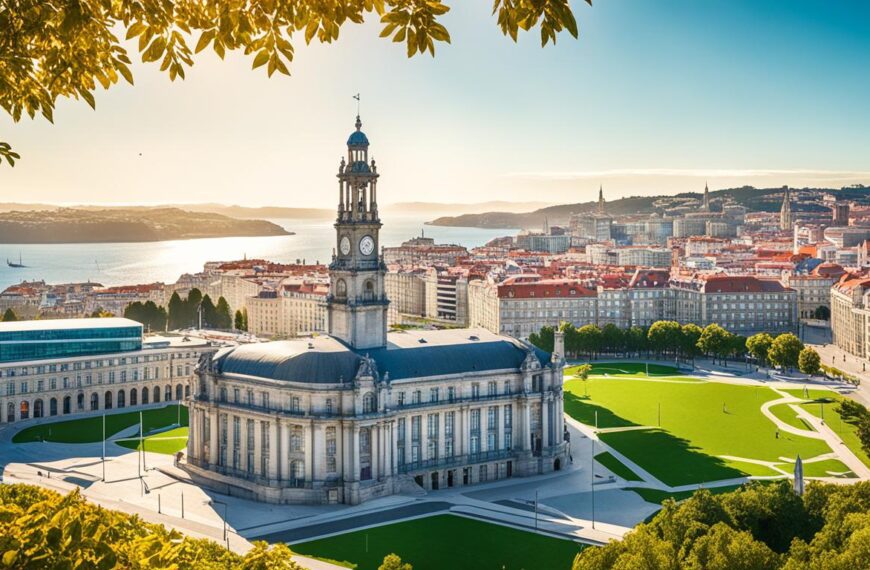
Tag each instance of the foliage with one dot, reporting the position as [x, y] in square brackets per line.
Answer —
[147, 313]
[184, 313]
[837, 373]
[690, 335]
[822, 313]
[856, 414]
[100, 313]
[43, 529]
[223, 316]
[54, 49]
[240, 321]
[393, 562]
[543, 339]
[757, 527]
[809, 361]
[665, 336]
[9, 316]
[758, 345]
[612, 338]
[588, 340]
[785, 350]
[582, 371]
[715, 341]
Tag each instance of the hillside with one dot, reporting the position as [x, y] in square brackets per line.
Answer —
[71, 225]
[756, 199]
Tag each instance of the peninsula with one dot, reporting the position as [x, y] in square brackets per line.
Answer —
[74, 225]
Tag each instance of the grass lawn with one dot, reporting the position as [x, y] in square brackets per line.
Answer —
[658, 497]
[627, 369]
[695, 428]
[615, 465]
[825, 468]
[818, 406]
[445, 541]
[90, 429]
[167, 442]
[785, 413]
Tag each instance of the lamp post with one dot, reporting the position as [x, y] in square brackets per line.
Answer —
[216, 502]
[104, 448]
[592, 480]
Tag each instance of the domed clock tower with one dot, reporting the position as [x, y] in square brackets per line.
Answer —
[357, 304]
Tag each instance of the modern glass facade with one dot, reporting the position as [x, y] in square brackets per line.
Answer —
[67, 338]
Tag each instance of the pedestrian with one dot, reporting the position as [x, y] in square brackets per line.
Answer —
[777, 433]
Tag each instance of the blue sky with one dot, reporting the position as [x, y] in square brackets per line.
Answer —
[654, 97]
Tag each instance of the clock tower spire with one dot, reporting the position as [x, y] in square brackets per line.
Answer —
[357, 304]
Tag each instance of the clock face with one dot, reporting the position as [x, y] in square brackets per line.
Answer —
[344, 245]
[366, 245]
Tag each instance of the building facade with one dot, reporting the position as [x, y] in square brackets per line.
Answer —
[850, 307]
[78, 366]
[361, 413]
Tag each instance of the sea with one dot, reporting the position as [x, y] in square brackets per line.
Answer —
[148, 262]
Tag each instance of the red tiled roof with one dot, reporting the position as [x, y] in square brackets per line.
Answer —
[741, 284]
[649, 278]
[550, 288]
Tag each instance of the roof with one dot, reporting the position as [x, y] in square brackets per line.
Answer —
[408, 354]
[741, 284]
[650, 278]
[544, 289]
[357, 138]
[67, 324]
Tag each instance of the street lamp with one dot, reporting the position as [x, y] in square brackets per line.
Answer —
[211, 502]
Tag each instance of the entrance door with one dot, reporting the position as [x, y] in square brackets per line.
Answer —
[450, 475]
[435, 481]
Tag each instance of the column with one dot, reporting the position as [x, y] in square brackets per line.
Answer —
[273, 449]
[374, 436]
[355, 453]
[394, 448]
[442, 434]
[466, 430]
[499, 420]
[284, 455]
[243, 444]
[408, 443]
[309, 452]
[545, 421]
[193, 418]
[213, 436]
[424, 437]
[258, 447]
[346, 456]
[525, 429]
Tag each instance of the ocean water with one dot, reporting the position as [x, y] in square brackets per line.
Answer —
[131, 263]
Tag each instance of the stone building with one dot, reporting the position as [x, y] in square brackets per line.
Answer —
[361, 413]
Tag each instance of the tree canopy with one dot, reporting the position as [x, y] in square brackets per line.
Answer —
[60, 48]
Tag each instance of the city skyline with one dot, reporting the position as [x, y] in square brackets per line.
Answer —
[646, 101]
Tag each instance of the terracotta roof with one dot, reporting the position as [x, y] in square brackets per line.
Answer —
[650, 278]
[544, 289]
[741, 284]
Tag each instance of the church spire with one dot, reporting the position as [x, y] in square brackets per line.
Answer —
[785, 218]
[601, 199]
[706, 205]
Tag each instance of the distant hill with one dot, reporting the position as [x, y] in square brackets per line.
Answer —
[75, 225]
[241, 212]
[756, 199]
[446, 208]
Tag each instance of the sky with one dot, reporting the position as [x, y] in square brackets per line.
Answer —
[652, 98]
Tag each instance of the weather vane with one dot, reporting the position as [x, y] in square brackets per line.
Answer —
[357, 103]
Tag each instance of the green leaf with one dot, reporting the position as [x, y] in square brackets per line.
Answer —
[204, 40]
[135, 30]
[261, 59]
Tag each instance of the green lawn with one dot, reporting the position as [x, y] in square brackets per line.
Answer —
[616, 466]
[785, 413]
[445, 541]
[822, 403]
[627, 369]
[167, 442]
[658, 497]
[90, 429]
[825, 468]
[699, 422]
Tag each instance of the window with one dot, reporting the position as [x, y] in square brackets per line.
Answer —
[369, 403]
[329, 406]
[475, 391]
[451, 394]
[433, 395]
[295, 404]
[296, 439]
[400, 399]
[492, 389]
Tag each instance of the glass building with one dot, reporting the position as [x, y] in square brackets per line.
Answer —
[36, 340]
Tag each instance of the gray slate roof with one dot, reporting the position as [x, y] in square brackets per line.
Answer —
[409, 354]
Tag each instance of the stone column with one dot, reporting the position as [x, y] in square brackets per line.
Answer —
[346, 451]
[466, 430]
[525, 430]
[394, 447]
[284, 454]
[355, 453]
[424, 437]
[243, 444]
[499, 425]
[545, 420]
[375, 438]
[442, 433]
[309, 452]
[213, 436]
[408, 443]
[258, 447]
[273, 449]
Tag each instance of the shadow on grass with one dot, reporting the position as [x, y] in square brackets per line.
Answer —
[583, 410]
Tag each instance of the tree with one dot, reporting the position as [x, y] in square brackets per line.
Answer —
[240, 322]
[714, 340]
[56, 48]
[759, 345]
[177, 317]
[612, 338]
[100, 313]
[393, 562]
[822, 313]
[589, 339]
[147, 313]
[664, 335]
[690, 335]
[582, 371]
[222, 314]
[737, 346]
[209, 314]
[785, 350]
[809, 361]
[543, 339]
[9, 316]
[635, 340]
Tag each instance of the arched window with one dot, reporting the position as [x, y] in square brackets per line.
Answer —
[67, 403]
[80, 401]
[52, 407]
[167, 393]
[10, 412]
[179, 392]
[341, 289]
[369, 403]
[296, 439]
[134, 397]
[25, 409]
[122, 399]
[187, 390]
[369, 291]
[107, 403]
[223, 394]
[145, 394]
[156, 394]
[37, 408]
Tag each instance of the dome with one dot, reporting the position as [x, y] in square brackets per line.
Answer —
[357, 138]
